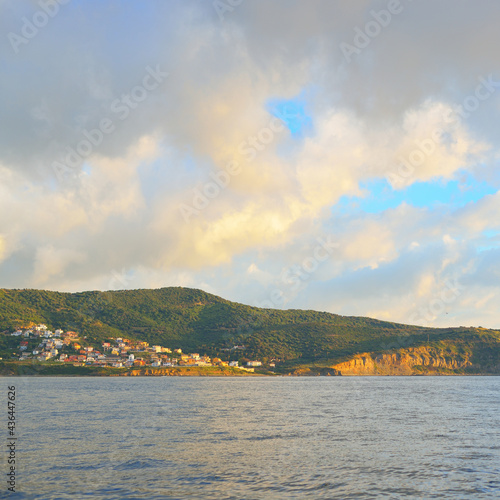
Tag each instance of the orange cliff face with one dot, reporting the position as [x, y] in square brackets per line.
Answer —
[411, 361]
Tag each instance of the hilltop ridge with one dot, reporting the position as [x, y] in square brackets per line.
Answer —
[196, 320]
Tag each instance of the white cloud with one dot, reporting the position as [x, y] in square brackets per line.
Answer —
[51, 261]
[392, 104]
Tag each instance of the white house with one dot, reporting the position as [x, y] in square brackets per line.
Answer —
[201, 362]
[234, 363]
[254, 363]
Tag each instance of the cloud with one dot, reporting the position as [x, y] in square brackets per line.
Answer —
[51, 261]
[392, 112]
[2, 249]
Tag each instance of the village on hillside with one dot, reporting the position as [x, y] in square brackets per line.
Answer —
[68, 347]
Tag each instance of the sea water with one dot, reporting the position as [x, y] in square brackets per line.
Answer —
[256, 438]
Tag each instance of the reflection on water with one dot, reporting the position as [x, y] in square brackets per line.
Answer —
[265, 438]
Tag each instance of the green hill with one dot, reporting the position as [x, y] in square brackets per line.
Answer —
[198, 321]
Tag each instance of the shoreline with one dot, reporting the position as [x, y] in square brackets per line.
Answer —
[13, 369]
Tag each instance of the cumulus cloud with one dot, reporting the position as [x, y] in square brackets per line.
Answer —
[136, 141]
[51, 261]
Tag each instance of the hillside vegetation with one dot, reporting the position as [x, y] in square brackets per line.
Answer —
[198, 321]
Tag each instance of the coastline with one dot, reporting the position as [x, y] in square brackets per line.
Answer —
[16, 369]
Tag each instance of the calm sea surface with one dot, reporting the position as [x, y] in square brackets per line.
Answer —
[262, 438]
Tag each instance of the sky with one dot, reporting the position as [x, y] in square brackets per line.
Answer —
[329, 155]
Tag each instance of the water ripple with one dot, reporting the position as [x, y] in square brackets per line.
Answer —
[269, 438]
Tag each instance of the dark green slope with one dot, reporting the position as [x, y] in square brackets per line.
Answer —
[196, 320]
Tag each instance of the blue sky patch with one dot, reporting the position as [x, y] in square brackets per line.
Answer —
[492, 241]
[293, 113]
[491, 233]
[380, 196]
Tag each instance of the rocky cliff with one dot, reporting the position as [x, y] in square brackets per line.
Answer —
[213, 371]
[411, 361]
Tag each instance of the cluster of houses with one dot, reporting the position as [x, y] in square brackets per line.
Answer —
[118, 352]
